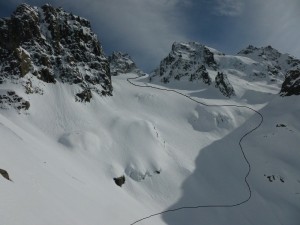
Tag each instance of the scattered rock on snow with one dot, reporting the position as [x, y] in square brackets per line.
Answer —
[9, 99]
[120, 180]
[281, 125]
[4, 173]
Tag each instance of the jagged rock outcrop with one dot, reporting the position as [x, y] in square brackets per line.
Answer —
[185, 60]
[120, 180]
[84, 96]
[191, 61]
[222, 82]
[121, 63]
[53, 46]
[9, 99]
[291, 84]
[201, 74]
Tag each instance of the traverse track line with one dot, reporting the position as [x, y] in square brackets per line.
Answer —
[240, 144]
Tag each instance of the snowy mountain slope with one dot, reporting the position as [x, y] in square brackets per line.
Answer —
[62, 158]
[107, 139]
[273, 152]
[175, 140]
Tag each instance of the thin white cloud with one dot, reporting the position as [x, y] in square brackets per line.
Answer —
[229, 7]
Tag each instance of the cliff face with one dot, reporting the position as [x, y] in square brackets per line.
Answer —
[53, 46]
[291, 84]
[121, 63]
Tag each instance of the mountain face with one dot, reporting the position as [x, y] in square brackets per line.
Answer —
[277, 63]
[224, 85]
[197, 63]
[52, 46]
[186, 59]
[291, 84]
[121, 63]
[209, 140]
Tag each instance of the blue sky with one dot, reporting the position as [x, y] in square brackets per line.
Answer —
[146, 29]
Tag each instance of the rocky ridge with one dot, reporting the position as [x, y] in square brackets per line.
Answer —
[186, 59]
[195, 62]
[52, 46]
[122, 63]
[277, 64]
[291, 84]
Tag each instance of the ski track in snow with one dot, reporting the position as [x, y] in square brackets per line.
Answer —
[240, 144]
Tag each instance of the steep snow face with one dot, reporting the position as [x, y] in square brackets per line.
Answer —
[53, 46]
[121, 63]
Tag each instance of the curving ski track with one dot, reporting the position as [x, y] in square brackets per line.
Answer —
[240, 144]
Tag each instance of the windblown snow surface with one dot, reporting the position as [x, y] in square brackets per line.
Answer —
[62, 156]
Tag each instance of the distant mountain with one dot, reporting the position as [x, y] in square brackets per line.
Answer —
[51, 45]
[278, 64]
[195, 62]
[122, 63]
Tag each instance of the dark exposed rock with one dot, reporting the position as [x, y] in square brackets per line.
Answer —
[157, 171]
[224, 85]
[209, 58]
[84, 96]
[121, 63]
[281, 125]
[201, 74]
[9, 99]
[274, 178]
[4, 173]
[291, 84]
[186, 60]
[53, 45]
[119, 180]
[46, 75]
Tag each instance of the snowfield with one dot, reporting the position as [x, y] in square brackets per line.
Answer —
[62, 156]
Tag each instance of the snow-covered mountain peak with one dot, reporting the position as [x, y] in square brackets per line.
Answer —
[192, 51]
[267, 52]
[194, 62]
[49, 45]
[276, 62]
[122, 63]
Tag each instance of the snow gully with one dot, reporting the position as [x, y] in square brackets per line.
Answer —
[240, 144]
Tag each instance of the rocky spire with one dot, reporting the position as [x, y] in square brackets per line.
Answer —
[54, 46]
